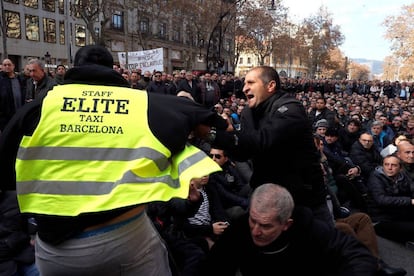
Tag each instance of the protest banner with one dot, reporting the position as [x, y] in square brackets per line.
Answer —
[148, 60]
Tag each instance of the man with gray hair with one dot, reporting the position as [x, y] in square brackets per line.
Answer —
[381, 140]
[274, 233]
[39, 83]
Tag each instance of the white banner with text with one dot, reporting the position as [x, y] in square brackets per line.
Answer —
[148, 60]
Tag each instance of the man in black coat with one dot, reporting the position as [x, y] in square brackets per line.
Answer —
[365, 155]
[391, 201]
[190, 85]
[157, 85]
[39, 83]
[322, 112]
[277, 136]
[12, 93]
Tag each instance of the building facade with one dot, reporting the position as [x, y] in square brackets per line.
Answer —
[293, 68]
[53, 30]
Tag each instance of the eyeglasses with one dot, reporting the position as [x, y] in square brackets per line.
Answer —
[157, 76]
[213, 155]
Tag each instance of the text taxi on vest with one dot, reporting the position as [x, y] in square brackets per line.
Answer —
[92, 106]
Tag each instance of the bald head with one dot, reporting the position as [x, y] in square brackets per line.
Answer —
[405, 151]
[8, 67]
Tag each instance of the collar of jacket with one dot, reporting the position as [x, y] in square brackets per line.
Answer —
[95, 75]
[397, 178]
[267, 105]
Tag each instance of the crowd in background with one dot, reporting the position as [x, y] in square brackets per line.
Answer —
[345, 115]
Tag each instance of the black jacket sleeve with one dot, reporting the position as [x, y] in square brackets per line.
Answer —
[23, 123]
[169, 115]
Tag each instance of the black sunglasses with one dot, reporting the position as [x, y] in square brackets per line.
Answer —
[212, 155]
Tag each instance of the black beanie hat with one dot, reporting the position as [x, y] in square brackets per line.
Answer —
[93, 54]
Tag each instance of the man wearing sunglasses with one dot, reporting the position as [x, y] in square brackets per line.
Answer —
[157, 85]
[231, 188]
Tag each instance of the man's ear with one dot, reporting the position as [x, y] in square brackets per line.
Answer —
[288, 224]
[271, 87]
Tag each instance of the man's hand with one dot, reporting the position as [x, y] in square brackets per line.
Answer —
[194, 194]
[353, 172]
[220, 227]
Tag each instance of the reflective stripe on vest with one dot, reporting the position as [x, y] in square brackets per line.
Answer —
[60, 173]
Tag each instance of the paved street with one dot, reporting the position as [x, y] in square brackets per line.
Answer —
[397, 255]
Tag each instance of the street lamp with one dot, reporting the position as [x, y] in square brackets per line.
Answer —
[200, 46]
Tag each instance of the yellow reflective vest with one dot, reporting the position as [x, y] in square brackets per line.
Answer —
[93, 151]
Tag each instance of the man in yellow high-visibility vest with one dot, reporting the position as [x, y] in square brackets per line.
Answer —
[87, 158]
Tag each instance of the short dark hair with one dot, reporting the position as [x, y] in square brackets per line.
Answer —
[355, 122]
[93, 54]
[60, 65]
[321, 98]
[268, 74]
[332, 132]
[225, 152]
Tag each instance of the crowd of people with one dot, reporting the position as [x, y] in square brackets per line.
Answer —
[248, 174]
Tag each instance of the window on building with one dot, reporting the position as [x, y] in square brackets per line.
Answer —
[62, 32]
[49, 30]
[241, 60]
[80, 35]
[191, 38]
[249, 60]
[162, 31]
[61, 6]
[32, 27]
[31, 3]
[75, 7]
[176, 34]
[12, 1]
[48, 5]
[144, 25]
[118, 20]
[12, 21]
